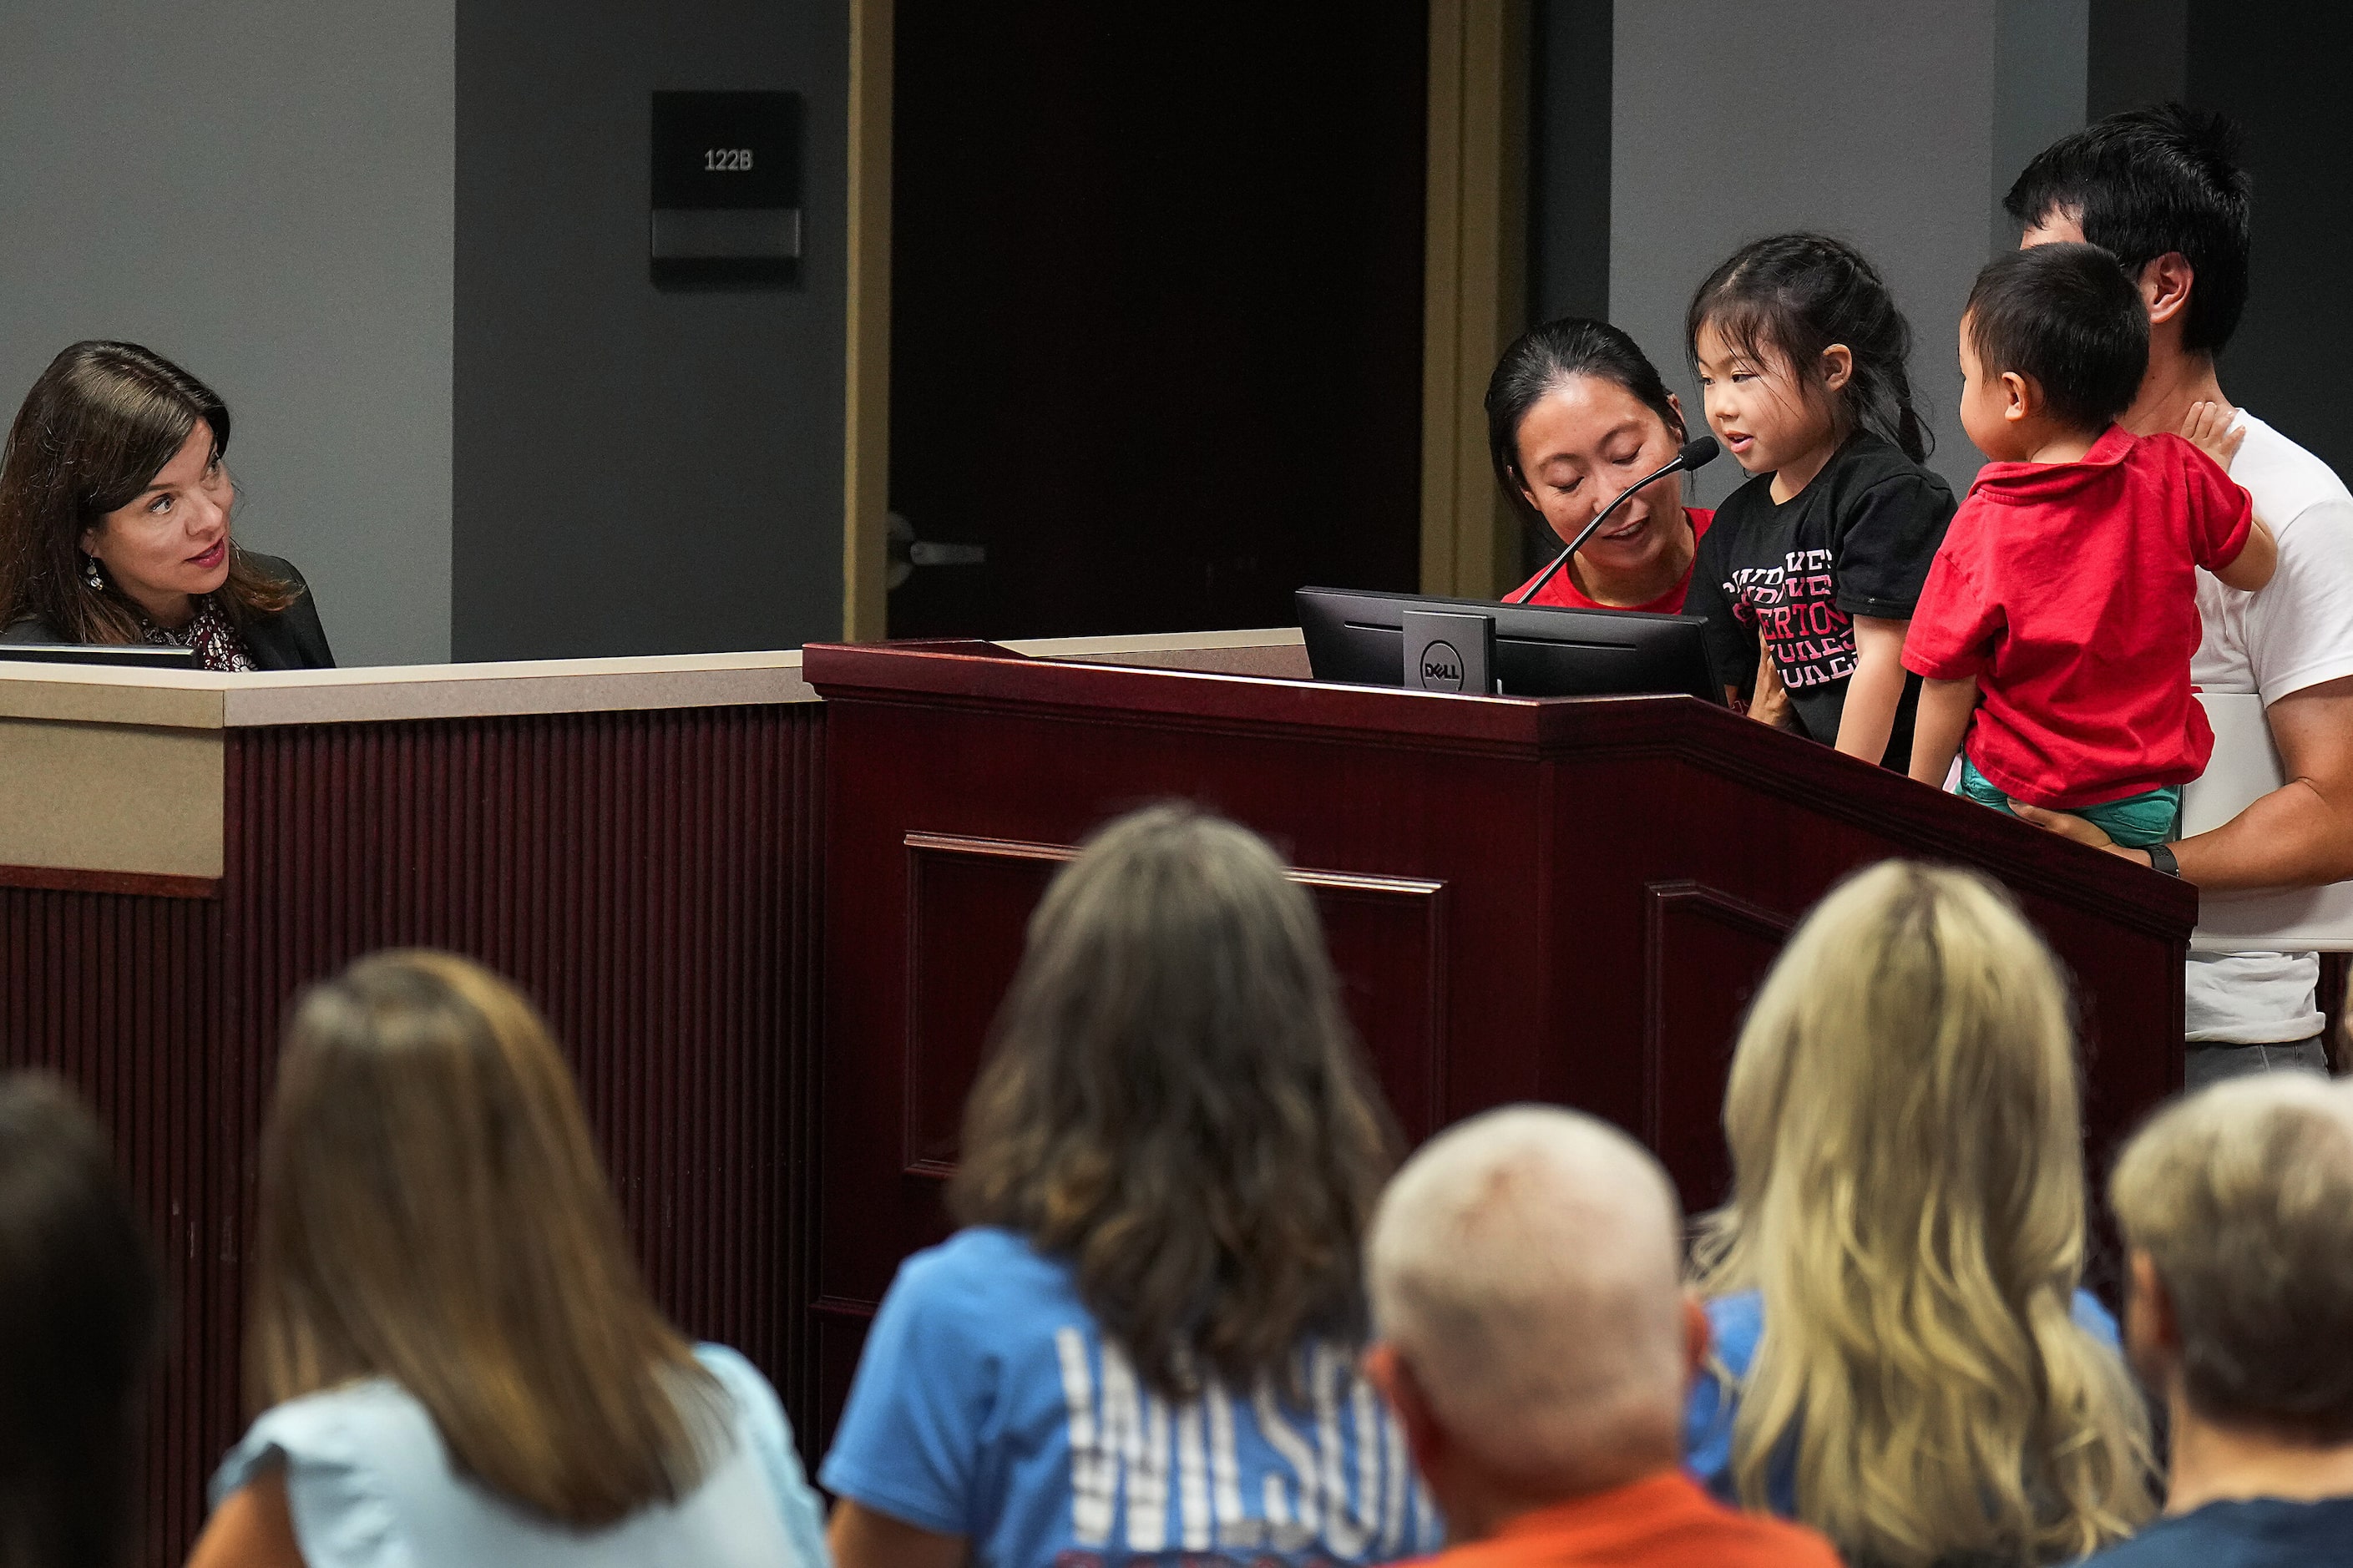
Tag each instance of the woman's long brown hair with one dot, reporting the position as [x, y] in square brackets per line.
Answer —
[96, 427]
[433, 1211]
[1175, 1102]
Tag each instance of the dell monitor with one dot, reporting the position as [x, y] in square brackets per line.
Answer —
[1532, 650]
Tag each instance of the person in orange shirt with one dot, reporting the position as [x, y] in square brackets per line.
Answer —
[1533, 1335]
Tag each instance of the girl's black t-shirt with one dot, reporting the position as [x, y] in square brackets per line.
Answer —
[1858, 541]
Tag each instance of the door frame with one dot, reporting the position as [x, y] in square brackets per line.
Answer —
[1474, 285]
[866, 422]
[1475, 299]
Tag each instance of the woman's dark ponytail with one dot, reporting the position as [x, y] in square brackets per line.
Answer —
[1793, 295]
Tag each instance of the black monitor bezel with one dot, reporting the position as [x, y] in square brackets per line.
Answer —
[1324, 612]
[110, 656]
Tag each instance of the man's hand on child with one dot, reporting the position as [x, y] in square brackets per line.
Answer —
[2207, 426]
[2075, 828]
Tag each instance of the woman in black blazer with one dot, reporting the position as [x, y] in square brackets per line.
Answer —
[114, 521]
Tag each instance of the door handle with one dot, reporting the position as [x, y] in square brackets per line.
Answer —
[907, 552]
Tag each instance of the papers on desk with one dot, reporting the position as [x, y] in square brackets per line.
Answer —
[2244, 768]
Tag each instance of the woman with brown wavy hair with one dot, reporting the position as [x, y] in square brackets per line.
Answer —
[454, 1357]
[115, 506]
[1144, 1341]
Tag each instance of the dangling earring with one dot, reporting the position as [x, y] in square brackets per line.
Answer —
[89, 574]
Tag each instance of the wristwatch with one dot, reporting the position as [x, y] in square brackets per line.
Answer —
[2161, 859]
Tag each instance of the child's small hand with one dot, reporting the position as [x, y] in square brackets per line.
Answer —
[1771, 704]
[2207, 426]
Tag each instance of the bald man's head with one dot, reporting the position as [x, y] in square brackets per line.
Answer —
[1524, 1265]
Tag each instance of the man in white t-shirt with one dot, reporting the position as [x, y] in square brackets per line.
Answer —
[2163, 189]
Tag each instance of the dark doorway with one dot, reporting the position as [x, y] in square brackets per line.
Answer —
[1156, 310]
[2277, 69]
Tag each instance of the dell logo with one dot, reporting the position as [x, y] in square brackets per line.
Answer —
[1442, 668]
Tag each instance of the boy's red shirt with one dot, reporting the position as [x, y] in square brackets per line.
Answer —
[2069, 590]
[1666, 1520]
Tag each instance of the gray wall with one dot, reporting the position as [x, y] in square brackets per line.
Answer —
[637, 471]
[261, 191]
[2041, 71]
[1568, 159]
[1871, 121]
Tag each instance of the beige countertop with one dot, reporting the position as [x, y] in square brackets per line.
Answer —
[66, 693]
[120, 775]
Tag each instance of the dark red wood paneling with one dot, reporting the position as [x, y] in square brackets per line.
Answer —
[117, 994]
[968, 906]
[1605, 880]
[1691, 929]
[650, 878]
[66, 880]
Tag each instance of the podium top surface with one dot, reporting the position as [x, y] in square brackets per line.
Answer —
[986, 673]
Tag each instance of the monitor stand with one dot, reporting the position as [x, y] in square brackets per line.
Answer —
[1450, 650]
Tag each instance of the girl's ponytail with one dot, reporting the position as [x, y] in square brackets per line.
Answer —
[1912, 434]
[1793, 295]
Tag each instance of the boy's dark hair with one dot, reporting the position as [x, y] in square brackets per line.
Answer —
[1793, 295]
[1543, 358]
[2068, 319]
[2148, 181]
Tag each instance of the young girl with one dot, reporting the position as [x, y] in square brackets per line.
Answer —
[1821, 556]
[1144, 1345]
[457, 1359]
[1902, 1358]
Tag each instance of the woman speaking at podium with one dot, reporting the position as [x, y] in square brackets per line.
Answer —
[1576, 413]
[114, 521]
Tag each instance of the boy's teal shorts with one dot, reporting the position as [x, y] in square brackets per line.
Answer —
[2136, 821]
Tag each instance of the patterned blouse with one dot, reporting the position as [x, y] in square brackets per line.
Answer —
[216, 642]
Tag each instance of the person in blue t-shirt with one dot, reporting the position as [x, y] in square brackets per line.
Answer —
[2236, 1206]
[1904, 1358]
[1143, 1344]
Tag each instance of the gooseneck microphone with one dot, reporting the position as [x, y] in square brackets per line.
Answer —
[1692, 455]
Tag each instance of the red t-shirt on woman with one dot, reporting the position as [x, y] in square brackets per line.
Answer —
[1564, 592]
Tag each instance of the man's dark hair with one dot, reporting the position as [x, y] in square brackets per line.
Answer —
[2068, 319]
[2148, 181]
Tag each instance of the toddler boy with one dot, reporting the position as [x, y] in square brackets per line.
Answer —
[2058, 621]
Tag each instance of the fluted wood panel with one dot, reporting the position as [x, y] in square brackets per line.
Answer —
[118, 994]
[650, 878]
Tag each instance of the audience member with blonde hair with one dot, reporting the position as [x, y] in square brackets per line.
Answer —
[1536, 1342]
[456, 1359]
[2237, 1211]
[1144, 1343]
[1904, 1359]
